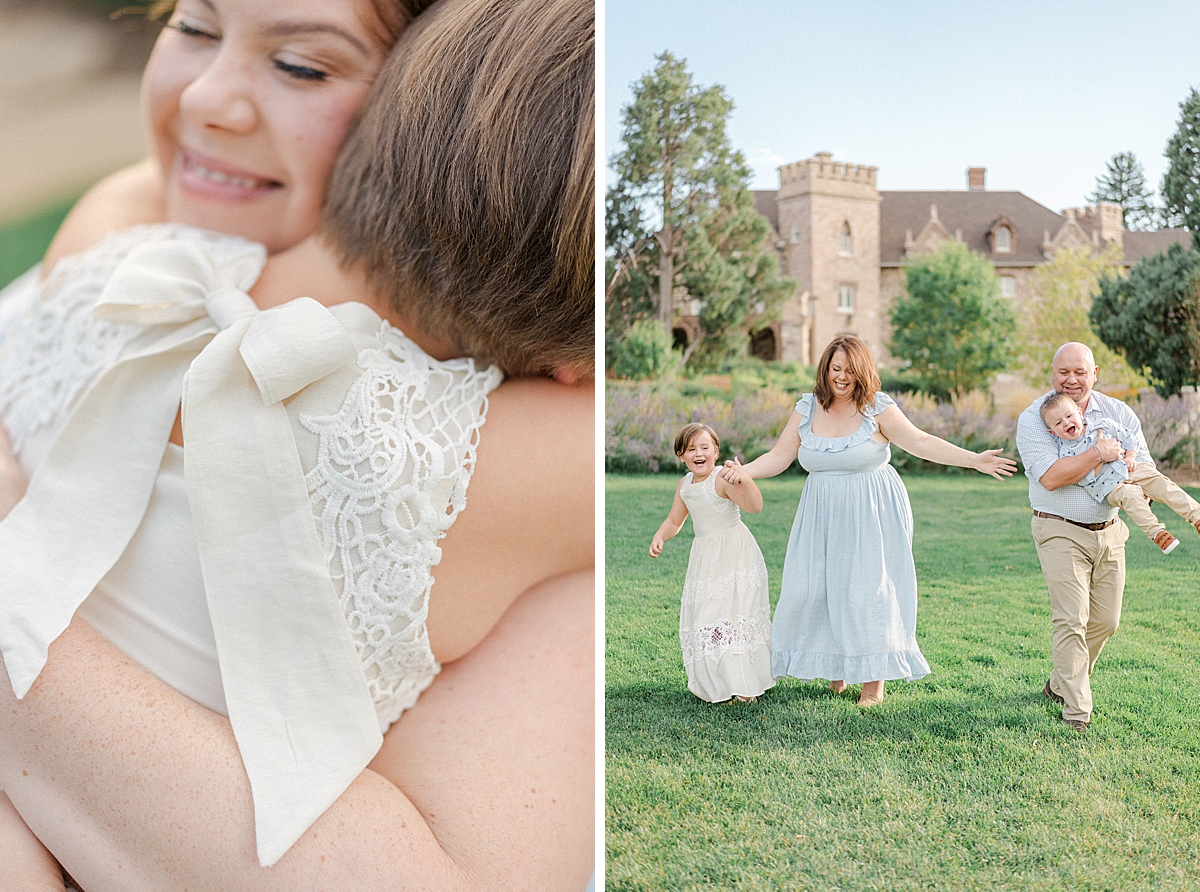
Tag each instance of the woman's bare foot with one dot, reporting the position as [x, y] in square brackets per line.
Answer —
[837, 686]
[872, 693]
[740, 699]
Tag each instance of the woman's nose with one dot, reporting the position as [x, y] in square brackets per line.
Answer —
[221, 96]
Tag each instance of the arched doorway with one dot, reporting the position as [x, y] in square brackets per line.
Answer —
[763, 345]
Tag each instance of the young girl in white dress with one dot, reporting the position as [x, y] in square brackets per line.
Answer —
[724, 617]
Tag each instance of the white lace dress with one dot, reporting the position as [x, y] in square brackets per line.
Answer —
[724, 617]
[387, 447]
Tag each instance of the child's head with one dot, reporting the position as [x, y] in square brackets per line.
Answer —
[466, 193]
[248, 103]
[1062, 416]
[698, 446]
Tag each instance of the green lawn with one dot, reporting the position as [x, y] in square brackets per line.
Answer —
[965, 780]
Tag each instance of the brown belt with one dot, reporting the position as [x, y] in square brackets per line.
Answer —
[1087, 526]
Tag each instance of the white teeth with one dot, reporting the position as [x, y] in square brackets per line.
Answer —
[216, 176]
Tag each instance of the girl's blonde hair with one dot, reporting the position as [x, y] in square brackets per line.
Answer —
[684, 438]
[861, 366]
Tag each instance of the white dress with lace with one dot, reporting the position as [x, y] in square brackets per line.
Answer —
[724, 617]
[387, 447]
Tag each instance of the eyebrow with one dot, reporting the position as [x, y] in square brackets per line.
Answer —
[287, 29]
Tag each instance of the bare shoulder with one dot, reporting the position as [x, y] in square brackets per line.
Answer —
[498, 753]
[127, 198]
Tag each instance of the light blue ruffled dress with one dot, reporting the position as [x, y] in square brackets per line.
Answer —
[848, 601]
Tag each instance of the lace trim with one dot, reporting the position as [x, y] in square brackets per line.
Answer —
[707, 488]
[738, 635]
[811, 441]
[53, 348]
[390, 478]
[701, 591]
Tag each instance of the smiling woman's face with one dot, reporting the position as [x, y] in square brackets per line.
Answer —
[248, 103]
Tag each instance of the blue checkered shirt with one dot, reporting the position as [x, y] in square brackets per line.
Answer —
[1039, 450]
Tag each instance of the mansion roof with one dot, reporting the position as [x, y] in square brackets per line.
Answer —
[972, 216]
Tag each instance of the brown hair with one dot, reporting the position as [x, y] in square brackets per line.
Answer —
[859, 363]
[684, 438]
[1054, 399]
[466, 193]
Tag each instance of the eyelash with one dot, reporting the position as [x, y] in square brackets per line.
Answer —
[299, 72]
[188, 31]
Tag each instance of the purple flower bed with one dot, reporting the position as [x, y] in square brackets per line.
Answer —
[642, 420]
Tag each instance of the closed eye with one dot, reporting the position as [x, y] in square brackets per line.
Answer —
[300, 72]
[191, 31]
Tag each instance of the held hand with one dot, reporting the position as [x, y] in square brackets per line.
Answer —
[12, 478]
[730, 472]
[1108, 448]
[1129, 460]
[991, 462]
[656, 546]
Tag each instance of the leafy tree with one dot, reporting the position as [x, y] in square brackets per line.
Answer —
[681, 216]
[1181, 183]
[1124, 183]
[1152, 316]
[950, 326]
[1056, 312]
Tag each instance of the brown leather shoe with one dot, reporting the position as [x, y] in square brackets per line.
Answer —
[1050, 695]
[1076, 725]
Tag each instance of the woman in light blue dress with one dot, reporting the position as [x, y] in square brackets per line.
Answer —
[847, 608]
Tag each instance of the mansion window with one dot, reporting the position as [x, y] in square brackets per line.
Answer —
[845, 299]
[795, 233]
[1003, 240]
[845, 241]
[1008, 286]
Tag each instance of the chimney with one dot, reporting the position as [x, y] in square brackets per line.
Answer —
[976, 177]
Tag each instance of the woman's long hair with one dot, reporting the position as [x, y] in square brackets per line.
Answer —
[861, 366]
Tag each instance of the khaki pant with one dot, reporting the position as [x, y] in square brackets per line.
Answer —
[1147, 480]
[1085, 572]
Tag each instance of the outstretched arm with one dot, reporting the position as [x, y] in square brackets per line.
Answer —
[486, 783]
[671, 526]
[778, 460]
[895, 425]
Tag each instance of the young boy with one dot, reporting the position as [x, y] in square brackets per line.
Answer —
[1123, 484]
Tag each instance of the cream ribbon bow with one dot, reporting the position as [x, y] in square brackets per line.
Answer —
[297, 697]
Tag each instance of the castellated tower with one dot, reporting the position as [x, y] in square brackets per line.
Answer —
[829, 224]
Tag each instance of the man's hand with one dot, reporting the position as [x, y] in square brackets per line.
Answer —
[1108, 448]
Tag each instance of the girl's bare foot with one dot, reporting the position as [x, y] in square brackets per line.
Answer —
[741, 699]
[872, 693]
[837, 686]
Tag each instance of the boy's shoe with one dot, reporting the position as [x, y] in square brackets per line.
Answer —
[1166, 542]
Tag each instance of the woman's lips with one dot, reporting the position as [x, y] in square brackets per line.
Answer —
[207, 178]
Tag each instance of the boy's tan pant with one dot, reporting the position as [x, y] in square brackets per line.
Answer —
[1147, 480]
[1085, 572]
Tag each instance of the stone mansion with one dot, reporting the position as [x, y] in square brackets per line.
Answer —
[844, 242]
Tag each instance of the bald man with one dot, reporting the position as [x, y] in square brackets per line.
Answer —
[1080, 541]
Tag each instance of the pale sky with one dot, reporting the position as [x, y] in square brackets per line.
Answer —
[1042, 94]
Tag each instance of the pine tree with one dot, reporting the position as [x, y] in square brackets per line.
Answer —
[1124, 183]
[681, 216]
[1181, 183]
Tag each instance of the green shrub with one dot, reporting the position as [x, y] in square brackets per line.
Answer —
[645, 353]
